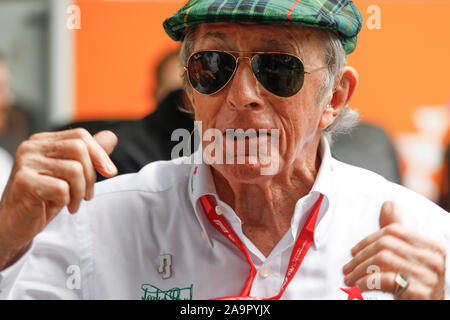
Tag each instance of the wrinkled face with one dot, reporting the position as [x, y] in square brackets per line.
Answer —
[245, 104]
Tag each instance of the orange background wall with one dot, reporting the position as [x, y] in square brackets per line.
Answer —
[402, 66]
[405, 64]
[116, 51]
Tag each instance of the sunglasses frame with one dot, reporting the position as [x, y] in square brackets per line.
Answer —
[238, 55]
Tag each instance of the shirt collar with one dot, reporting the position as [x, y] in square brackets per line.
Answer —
[323, 182]
[323, 185]
[201, 182]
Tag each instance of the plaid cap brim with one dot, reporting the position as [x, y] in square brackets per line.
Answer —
[340, 16]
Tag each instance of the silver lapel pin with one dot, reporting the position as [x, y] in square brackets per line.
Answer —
[165, 265]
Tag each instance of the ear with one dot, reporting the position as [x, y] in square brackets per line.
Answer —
[342, 95]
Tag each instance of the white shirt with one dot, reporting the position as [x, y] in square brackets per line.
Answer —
[145, 235]
[6, 163]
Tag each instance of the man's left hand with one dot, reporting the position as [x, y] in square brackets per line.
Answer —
[396, 250]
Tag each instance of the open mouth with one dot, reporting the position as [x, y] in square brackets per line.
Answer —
[240, 134]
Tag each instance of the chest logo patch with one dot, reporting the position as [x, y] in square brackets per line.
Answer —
[151, 292]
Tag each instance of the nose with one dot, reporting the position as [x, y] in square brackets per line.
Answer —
[243, 91]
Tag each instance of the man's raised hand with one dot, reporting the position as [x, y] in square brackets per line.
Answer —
[51, 170]
[394, 249]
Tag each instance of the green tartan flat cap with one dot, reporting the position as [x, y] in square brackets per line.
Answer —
[340, 16]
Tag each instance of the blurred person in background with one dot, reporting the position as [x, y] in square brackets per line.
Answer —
[444, 190]
[168, 75]
[149, 139]
[444, 198]
[6, 160]
[368, 146]
[309, 228]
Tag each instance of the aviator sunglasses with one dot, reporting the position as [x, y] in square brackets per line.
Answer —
[282, 74]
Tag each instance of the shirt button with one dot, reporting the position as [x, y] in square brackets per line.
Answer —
[318, 237]
[265, 271]
[219, 210]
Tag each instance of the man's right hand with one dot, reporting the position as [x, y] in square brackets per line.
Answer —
[51, 170]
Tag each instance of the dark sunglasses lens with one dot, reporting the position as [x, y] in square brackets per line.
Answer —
[209, 71]
[281, 74]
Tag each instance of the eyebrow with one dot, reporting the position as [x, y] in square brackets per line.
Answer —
[271, 43]
[215, 34]
[275, 43]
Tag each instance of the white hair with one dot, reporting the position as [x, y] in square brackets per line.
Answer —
[335, 59]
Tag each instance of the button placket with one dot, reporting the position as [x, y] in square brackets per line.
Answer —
[219, 210]
[265, 271]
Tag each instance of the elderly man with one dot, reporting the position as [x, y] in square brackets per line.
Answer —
[309, 228]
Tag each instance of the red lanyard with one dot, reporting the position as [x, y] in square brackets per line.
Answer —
[301, 247]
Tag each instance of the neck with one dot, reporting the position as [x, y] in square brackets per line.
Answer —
[266, 208]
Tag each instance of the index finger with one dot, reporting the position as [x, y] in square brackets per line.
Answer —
[100, 159]
[399, 231]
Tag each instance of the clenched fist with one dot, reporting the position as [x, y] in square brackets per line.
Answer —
[51, 170]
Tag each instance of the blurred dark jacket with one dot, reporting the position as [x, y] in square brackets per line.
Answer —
[444, 197]
[368, 146]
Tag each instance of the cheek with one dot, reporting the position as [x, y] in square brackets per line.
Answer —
[300, 123]
[205, 108]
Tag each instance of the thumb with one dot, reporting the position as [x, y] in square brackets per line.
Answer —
[389, 214]
[107, 140]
